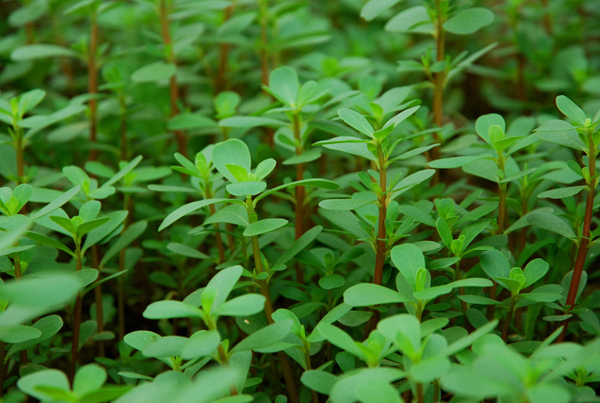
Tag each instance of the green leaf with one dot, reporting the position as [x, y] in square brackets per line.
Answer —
[48, 327]
[344, 204]
[56, 203]
[91, 225]
[140, 338]
[234, 152]
[189, 121]
[561, 193]
[306, 156]
[18, 333]
[408, 259]
[201, 344]
[157, 71]
[485, 122]
[264, 226]
[570, 109]
[33, 52]
[357, 121]
[478, 300]
[552, 223]
[431, 293]
[471, 282]
[185, 250]
[171, 309]
[414, 19]
[455, 162]
[47, 377]
[127, 237]
[50, 288]
[246, 188]
[299, 245]
[187, 209]
[468, 21]
[244, 305]
[404, 330]
[465, 342]
[494, 264]
[28, 13]
[429, 369]
[331, 281]
[164, 347]
[534, 271]
[45, 240]
[341, 339]
[318, 183]
[264, 168]
[106, 394]
[89, 378]
[265, 337]
[411, 181]
[284, 85]
[319, 381]
[367, 294]
[374, 8]
[27, 102]
[250, 121]
[560, 132]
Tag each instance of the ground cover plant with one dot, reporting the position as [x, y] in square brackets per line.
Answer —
[296, 201]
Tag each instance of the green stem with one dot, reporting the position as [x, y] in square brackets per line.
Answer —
[76, 318]
[18, 275]
[98, 300]
[381, 235]
[461, 290]
[509, 314]
[264, 290]
[306, 348]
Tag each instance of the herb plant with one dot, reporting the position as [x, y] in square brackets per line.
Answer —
[288, 201]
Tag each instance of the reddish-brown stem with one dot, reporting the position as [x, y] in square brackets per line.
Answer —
[300, 192]
[439, 80]
[221, 79]
[76, 319]
[29, 33]
[264, 55]
[98, 300]
[585, 236]
[93, 85]
[173, 88]
[547, 18]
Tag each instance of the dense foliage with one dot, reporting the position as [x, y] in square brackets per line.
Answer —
[299, 201]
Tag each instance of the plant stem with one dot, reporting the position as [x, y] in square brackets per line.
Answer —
[221, 79]
[123, 122]
[213, 211]
[315, 397]
[300, 190]
[264, 290]
[19, 151]
[173, 88]
[381, 235]
[93, 84]
[585, 236]
[439, 78]
[461, 290]
[509, 315]
[2, 367]
[18, 275]
[264, 55]
[98, 300]
[76, 318]
[420, 395]
[436, 392]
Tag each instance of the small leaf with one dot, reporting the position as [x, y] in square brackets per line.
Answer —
[264, 226]
[371, 294]
[344, 204]
[158, 71]
[468, 21]
[357, 121]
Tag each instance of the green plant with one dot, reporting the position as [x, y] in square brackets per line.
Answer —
[290, 201]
